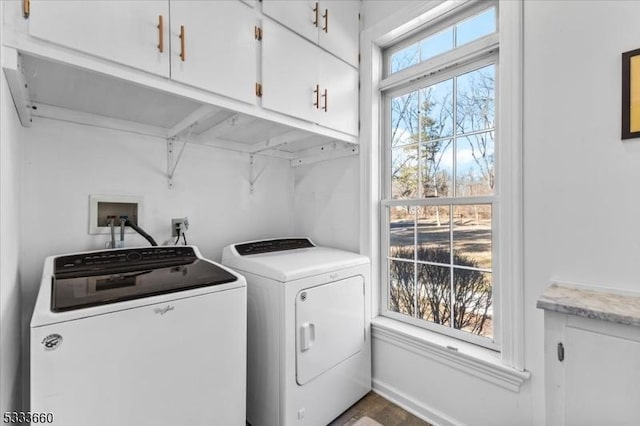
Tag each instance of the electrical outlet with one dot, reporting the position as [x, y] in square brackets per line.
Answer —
[180, 223]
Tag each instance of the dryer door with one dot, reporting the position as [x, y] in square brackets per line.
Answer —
[329, 325]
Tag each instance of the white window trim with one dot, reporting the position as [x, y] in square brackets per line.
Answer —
[468, 61]
[509, 367]
[474, 360]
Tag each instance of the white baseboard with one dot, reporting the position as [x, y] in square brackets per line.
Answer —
[416, 408]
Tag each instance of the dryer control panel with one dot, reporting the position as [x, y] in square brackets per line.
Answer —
[267, 246]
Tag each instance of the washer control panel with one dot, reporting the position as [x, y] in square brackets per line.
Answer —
[107, 259]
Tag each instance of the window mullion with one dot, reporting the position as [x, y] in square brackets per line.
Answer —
[454, 190]
[454, 98]
[415, 261]
[420, 183]
[420, 193]
[480, 199]
[451, 281]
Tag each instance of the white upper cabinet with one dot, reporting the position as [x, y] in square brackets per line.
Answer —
[298, 69]
[134, 33]
[299, 16]
[334, 25]
[289, 79]
[339, 29]
[206, 44]
[213, 47]
[338, 94]
[310, 84]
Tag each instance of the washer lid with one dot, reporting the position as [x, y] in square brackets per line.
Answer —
[110, 276]
[295, 264]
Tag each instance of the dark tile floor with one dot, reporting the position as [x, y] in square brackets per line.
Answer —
[379, 409]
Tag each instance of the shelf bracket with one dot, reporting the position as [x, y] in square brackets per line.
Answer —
[274, 143]
[253, 176]
[324, 153]
[171, 164]
[187, 123]
[14, 72]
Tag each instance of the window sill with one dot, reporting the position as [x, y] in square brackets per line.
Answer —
[477, 361]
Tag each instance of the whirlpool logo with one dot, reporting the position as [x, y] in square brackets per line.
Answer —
[52, 342]
[164, 310]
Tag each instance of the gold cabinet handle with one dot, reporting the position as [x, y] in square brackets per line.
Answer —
[160, 34]
[325, 95]
[183, 54]
[26, 8]
[325, 15]
[315, 11]
[317, 93]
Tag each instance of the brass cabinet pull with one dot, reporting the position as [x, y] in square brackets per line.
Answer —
[160, 34]
[183, 55]
[317, 93]
[326, 21]
[315, 19]
[26, 8]
[326, 100]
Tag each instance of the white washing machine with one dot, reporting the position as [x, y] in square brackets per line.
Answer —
[309, 345]
[141, 336]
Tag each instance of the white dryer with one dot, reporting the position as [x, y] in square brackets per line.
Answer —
[309, 346]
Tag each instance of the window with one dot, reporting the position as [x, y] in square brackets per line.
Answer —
[453, 36]
[440, 199]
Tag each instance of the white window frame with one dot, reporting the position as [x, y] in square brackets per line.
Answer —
[505, 368]
[485, 56]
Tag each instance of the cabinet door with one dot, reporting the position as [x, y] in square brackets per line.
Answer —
[299, 16]
[289, 72]
[121, 31]
[339, 94]
[602, 379]
[340, 29]
[217, 49]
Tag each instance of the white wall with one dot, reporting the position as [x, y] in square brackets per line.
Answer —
[374, 11]
[581, 204]
[327, 203]
[10, 180]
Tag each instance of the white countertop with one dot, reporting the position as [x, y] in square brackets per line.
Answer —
[604, 304]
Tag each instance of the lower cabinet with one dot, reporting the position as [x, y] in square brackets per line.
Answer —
[592, 371]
